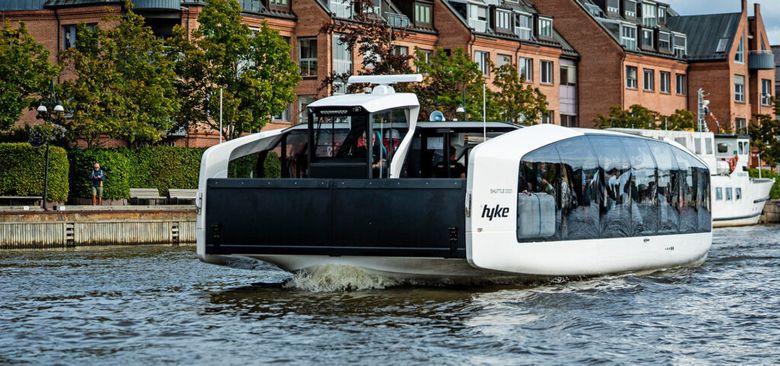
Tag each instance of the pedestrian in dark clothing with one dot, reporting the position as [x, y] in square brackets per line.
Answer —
[97, 177]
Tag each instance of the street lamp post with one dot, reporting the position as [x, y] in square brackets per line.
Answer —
[47, 117]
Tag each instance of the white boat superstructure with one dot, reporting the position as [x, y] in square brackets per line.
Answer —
[737, 199]
[365, 184]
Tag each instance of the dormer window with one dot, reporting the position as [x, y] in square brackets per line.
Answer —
[629, 8]
[613, 6]
[477, 15]
[422, 14]
[523, 24]
[661, 15]
[503, 20]
[664, 41]
[279, 4]
[340, 8]
[649, 15]
[628, 36]
[545, 27]
[680, 45]
[647, 39]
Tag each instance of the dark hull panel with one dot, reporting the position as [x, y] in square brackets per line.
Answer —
[336, 217]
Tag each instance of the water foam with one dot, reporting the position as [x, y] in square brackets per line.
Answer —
[335, 277]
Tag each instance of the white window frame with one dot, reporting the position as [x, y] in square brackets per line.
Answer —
[547, 72]
[683, 50]
[649, 14]
[612, 9]
[342, 62]
[739, 88]
[630, 13]
[310, 62]
[666, 82]
[648, 83]
[482, 59]
[524, 31]
[503, 59]
[525, 67]
[766, 92]
[680, 81]
[478, 17]
[652, 38]
[423, 13]
[632, 83]
[739, 56]
[504, 19]
[545, 27]
[668, 36]
[628, 42]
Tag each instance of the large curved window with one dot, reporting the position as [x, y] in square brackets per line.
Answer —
[539, 196]
[580, 189]
[614, 186]
[668, 187]
[644, 210]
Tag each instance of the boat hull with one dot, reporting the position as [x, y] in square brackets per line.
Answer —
[744, 211]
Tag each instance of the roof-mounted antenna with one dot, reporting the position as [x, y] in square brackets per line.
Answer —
[384, 82]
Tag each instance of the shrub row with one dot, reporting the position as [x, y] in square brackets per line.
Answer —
[160, 167]
[22, 170]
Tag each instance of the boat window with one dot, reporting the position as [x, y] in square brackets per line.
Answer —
[580, 178]
[296, 155]
[681, 141]
[687, 180]
[738, 192]
[705, 207]
[708, 145]
[697, 145]
[723, 148]
[615, 188]
[426, 157]
[743, 148]
[729, 194]
[718, 194]
[668, 187]
[337, 136]
[538, 212]
[644, 213]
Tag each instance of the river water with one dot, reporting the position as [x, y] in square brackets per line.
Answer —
[158, 304]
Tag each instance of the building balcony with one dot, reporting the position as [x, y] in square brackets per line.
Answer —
[157, 4]
[761, 60]
[397, 20]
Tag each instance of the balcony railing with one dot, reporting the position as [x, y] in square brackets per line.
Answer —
[157, 4]
[478, 25]
[341, 8]
[397, 20]
[761, 60]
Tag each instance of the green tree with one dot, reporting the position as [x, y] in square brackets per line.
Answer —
[450, 81]
[521, 103]
[636, 116]
[25, 73]
[681, 119]
[764, 134]
[124, 85]
[253, 69]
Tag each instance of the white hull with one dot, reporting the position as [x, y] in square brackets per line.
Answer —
[528, 261]
[743, 211]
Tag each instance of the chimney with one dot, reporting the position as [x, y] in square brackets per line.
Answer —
[757, 10]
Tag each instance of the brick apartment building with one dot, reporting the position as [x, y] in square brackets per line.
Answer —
[585, 55]
[643, 52]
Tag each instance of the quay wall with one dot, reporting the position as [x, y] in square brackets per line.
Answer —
[771, 214]
[21, 229]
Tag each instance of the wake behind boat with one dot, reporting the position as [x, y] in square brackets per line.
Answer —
[365, 184]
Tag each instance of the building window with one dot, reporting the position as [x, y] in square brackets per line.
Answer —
[545, 27]
[69, 34]
[303, 102]
[549, 117]
[664, 42]
[283, 4]
[680, 87]
[718, 194]
[739, 88]
[649, 15]
[523, 26]
[401, 50]
[661, 15]
[478, 17]
[628, 37]
[503, 60]
[647, 39]
[613, 6]
[739, 57]
[568, 75]
[631, 82]
[569, 121]
[629, 10]
[666, 82]
[547, 72]
[342, 63]
[307, 56]
[649, 79]
[284, 116]
[526, 68]
[483, 61]
[422, 14]
[680, 45]
[729, 193]
[766, 92]
[741, 125]
[340, 8]
[504, 20]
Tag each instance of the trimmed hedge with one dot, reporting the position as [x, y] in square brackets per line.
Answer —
[247, 166]
[160, 167]
[775, 192]
[22, 169]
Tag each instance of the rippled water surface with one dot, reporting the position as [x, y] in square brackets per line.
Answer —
[142, 305]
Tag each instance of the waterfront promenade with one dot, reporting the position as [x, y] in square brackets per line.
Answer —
[32, 227]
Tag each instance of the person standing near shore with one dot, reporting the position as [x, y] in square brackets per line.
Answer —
[97, 176]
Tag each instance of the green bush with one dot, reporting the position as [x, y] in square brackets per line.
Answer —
[160, 167]
[775, 192]
[246, 166]
[22, 169]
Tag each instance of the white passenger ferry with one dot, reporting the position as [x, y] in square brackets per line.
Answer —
[365, 184]
[737, 199]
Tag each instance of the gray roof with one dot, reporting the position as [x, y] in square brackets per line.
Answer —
[7, 5]
[66, 3]
[705, 32]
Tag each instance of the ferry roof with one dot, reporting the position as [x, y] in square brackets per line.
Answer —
[369, 102]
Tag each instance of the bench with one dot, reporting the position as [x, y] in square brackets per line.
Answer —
[187, 195]
[21, 200]
[138, 195]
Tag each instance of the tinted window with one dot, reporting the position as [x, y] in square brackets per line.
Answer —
[580, 189]
[719, 194]
[705, 208]
[728, 194]
[644, 212]
[667, 192]
[614, 186]
[539, 196]
[688, 187]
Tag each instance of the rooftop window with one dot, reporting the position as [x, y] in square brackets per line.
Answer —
[545, 27]
[629, 8]
[628, 37]
[523, 24]
[649, 15]
[739, 57]
[477, 16]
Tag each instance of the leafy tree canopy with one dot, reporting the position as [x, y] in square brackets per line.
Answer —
[25, 73]
[516, 101]
[450, 81]
[123, 86]
[252, 68]
[764, 135]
